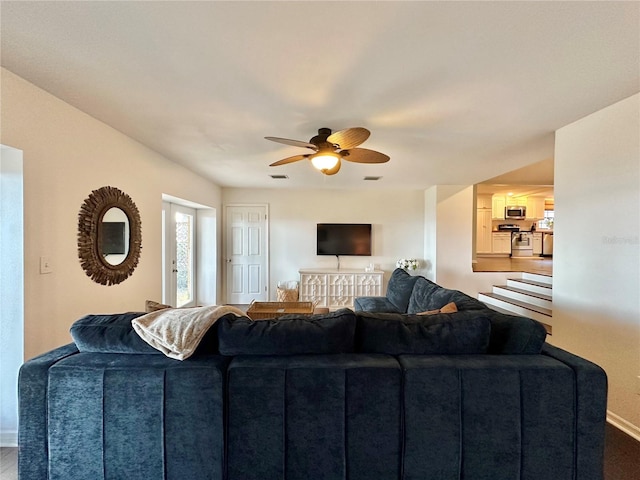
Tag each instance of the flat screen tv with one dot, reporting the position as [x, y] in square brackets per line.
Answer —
[344, 239]
[113, 241]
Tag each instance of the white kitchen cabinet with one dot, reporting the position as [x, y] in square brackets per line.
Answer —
[535, 208]
[483, 230]
[498, 203]
[501, 242]
[537, 243]
[337, 289]
[517, 201]
[484, 201]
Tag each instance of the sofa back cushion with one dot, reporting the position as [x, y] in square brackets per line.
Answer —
[399, 289]
[109, 334]
[289, 335]
[510, 334]
[427, 296]
[439, 334]
[113, 333]
[515, 335]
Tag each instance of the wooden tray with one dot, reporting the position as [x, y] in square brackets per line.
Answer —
[262, 310]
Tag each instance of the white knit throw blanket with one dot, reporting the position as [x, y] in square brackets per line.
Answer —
[177, 332]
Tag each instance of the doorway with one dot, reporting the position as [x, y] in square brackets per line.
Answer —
[189, 253]
[180, 256]
[11, 287]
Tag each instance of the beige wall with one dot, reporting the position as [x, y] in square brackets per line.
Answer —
[450, 240]
[67, 154]
[396, 217]
[596, 292]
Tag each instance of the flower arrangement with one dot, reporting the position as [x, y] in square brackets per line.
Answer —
[407, 264]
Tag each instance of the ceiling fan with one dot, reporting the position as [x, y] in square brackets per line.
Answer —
[331, 148]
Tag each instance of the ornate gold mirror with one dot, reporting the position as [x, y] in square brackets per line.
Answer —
[109, 236]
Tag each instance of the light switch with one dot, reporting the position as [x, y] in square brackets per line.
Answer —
[45, 265]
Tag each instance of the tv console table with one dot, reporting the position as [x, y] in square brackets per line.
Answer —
[337, 289]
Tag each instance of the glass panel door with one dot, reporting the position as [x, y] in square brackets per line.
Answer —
[179, 260]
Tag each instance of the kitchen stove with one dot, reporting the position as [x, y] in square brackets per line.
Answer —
[508, 227]
[521, 244]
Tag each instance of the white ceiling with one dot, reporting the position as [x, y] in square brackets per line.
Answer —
[535, 180]
[453, 92]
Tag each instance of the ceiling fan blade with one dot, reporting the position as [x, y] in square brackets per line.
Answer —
[334, 170]
[284, 161]
[349, 137]
[295, 143]
[364, 155]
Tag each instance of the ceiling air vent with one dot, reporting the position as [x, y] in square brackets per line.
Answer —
[373, 179]
[279, 177]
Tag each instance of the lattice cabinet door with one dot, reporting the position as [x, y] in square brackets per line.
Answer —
[313, 288]
[368, 284]
[341, 290]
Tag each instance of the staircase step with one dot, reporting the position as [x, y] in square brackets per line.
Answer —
[517, 307]
[531, 296]
[538, 277]
[531, 286]
[523, 295]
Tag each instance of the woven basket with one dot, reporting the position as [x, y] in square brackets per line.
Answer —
[287, 294]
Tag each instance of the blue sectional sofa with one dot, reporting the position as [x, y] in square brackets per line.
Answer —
[346, 395]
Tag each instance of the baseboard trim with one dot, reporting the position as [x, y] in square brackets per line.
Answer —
[621, 424]
[9, 439]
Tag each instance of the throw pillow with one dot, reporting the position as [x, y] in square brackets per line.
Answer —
[151, 306]
[448, 308]
[438, 334]
[288, 335]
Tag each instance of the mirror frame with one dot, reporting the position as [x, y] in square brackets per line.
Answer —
[89, 219]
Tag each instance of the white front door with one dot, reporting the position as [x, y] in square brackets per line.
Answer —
[246, 253]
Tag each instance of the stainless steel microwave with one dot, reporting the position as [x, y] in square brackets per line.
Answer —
[517, 212]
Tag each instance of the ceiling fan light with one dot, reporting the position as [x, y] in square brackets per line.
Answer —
[324, 161]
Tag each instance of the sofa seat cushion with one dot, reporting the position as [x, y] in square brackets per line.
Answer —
[396, 334]
[288, 335]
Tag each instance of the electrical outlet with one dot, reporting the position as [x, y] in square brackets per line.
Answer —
[45, 265]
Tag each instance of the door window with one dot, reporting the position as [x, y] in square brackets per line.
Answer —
[185, 252]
